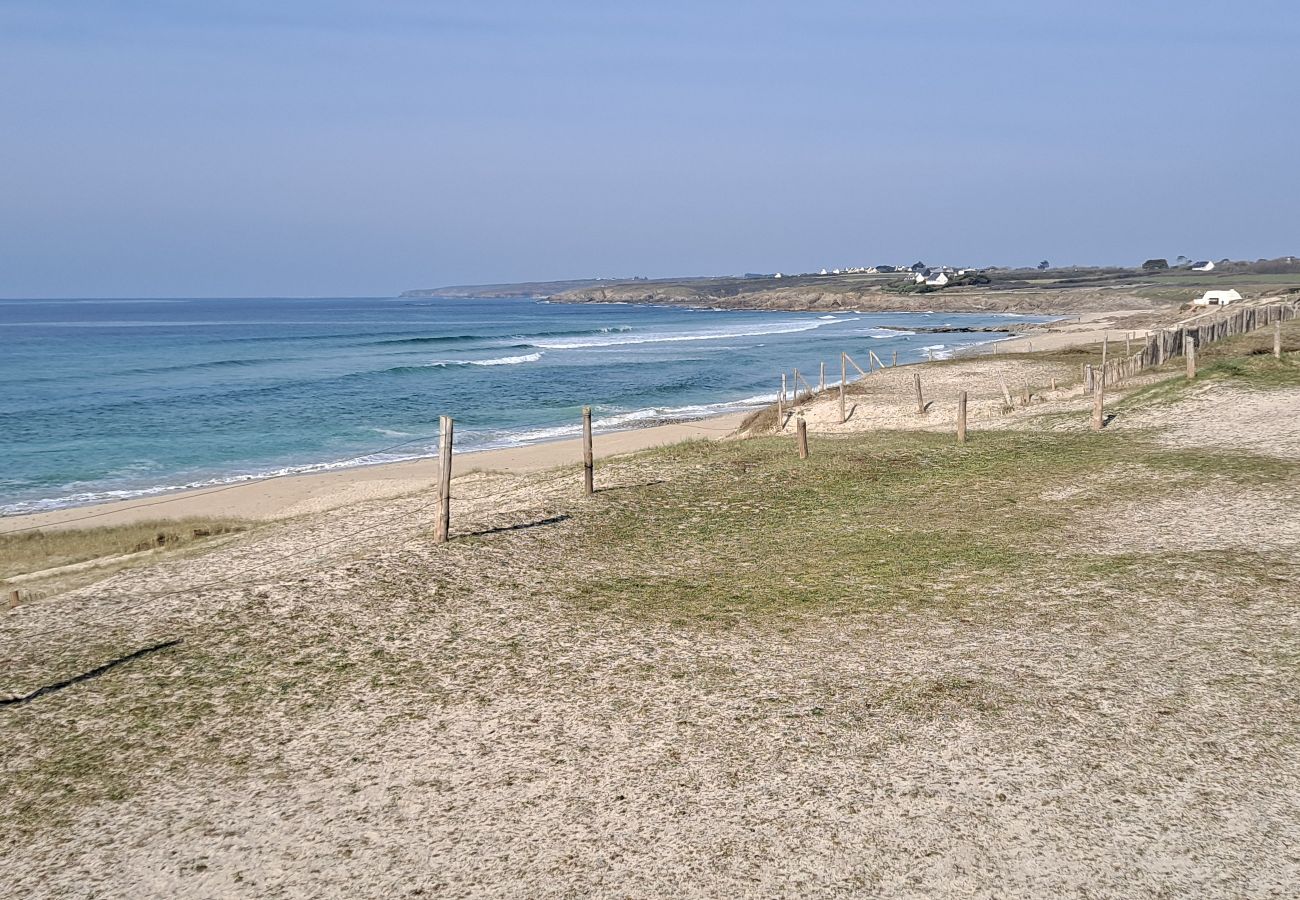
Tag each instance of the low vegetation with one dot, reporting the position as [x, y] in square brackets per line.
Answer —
[55, 550]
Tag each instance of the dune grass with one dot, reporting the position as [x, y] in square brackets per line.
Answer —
[754, 535]
[35, 551]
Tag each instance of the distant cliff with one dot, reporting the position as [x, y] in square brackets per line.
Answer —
[522, 289]
[868, 293]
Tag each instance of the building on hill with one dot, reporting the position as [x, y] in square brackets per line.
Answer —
[1204, 265]
[1217, 298]
[938, 280]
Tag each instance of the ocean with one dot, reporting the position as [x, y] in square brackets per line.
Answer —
[112, 399]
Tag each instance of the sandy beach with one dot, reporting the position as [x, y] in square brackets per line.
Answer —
[295, 495]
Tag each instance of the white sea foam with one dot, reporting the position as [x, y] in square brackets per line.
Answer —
[720, 334]
[498, 361]
[507, 360]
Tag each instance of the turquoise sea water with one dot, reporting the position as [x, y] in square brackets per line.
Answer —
[108, 399]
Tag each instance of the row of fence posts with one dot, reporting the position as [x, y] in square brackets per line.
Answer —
[1159, 347]
[446, 429]
[1166, 344]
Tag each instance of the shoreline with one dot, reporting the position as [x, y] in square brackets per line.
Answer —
[288, 496]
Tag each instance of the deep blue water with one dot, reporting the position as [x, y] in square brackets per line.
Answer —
[105, 399]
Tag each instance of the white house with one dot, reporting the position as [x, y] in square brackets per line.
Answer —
[1216, 298]
[1204, 266]
[938, 280]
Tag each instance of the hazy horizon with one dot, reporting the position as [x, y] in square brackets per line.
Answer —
[168, 149]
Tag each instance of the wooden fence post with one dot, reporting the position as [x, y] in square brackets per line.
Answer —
[1105, 347]
[1189, 351]
[780, 405]
[14, 599]
[821, 382]
[894, 364]
[794, 387]
[1088, 380]
[844, 376]
[1098, 405]
[801, 428]
[961, 418]
[588, 460]
[443, 529]
[1277, 339]
[920, 401]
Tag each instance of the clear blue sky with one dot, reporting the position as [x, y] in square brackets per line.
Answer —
[343, 147]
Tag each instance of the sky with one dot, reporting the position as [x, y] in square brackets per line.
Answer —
[352, 148]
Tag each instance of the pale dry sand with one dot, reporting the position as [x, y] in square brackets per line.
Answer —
[1088, 328]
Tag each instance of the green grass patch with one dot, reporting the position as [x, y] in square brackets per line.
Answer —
[750, 533]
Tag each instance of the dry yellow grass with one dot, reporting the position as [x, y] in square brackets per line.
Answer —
[32, 553]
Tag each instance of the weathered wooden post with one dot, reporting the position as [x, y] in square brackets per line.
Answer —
[1277, 339]
[780, 405]
[1189, 351]
[14, 598]
[894, 363]
[794, 387]
[844, 376]
[920, 401]
[1088, 380]
[1105, 347]
[588, 458]
[821, 382]
[929, 354]
[801, 429]
[443, 529]
[961, 418]
[1053, 385]
[1098, 405]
